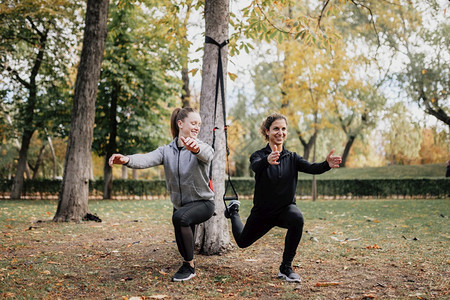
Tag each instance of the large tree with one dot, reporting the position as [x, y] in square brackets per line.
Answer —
[36, 44]
[213, 236]
[73, 198]
[427, 76]
[135, 83]
[411, 44]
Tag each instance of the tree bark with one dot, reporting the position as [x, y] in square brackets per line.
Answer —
[314, 180]
[16, 190]
[124, 172]
[73, 198]
[348, 146]
[213, 235]
[186, 94]
[38, 162]
[52, 150]
[307, 145]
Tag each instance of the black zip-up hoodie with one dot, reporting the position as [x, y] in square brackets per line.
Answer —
[275, 185]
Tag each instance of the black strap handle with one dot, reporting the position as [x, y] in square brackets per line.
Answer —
[220, 84]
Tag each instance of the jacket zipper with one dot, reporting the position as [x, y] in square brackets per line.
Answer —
[179, 178]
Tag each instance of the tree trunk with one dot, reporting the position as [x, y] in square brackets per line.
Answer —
[52, 150]
[17, 186]
[307, 145]
[186, 92]
[213, 235]
[38, 162]
[348, 146]
[30, 105]
[73, 198]
[124, 172]
[314, 180]
[111, 146]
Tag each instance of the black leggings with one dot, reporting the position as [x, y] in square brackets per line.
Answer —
[258, 225]
[184, 220]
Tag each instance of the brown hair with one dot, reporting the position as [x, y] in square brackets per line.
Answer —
[268, 121]
[177, 115]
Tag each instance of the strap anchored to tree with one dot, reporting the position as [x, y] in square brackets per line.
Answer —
[220, 83]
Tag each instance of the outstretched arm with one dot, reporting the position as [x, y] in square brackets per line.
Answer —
[139, 161]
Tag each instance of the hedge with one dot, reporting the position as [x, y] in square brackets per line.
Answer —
[335, 188]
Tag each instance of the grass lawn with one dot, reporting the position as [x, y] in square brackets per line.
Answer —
[351, 249]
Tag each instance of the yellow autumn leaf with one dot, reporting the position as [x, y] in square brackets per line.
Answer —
[232, 76]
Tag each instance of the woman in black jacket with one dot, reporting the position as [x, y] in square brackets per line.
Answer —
[276, 175]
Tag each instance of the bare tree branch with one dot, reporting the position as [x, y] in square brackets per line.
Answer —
[322, 12]
[371, 19]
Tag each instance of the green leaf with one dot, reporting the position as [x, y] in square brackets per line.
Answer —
[280, 37]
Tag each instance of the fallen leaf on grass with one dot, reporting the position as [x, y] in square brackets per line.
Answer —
[327, 283]
[158, 296]
[345, 240]
[162, 272]
[8, 295]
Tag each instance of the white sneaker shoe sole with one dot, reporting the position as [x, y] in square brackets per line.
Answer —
[183, 279]
[283, 276]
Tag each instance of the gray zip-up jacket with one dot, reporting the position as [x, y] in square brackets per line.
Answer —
[187, 174]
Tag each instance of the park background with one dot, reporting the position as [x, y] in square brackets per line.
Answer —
[369, 79]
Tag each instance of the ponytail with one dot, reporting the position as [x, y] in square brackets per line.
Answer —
[178, 114]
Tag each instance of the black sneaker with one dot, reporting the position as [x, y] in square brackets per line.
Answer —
[185, 272]
[288, 274]
[232, 208]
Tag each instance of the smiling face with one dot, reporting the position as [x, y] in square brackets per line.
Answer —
[277, 132]
[190, 126]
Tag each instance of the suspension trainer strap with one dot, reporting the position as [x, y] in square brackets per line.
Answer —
[220, 84]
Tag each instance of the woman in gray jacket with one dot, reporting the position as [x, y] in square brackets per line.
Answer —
[186, 163]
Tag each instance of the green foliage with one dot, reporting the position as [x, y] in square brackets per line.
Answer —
[29, 29]
[38, 42]
[135, 87]
[403, 136]
[426, 77]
